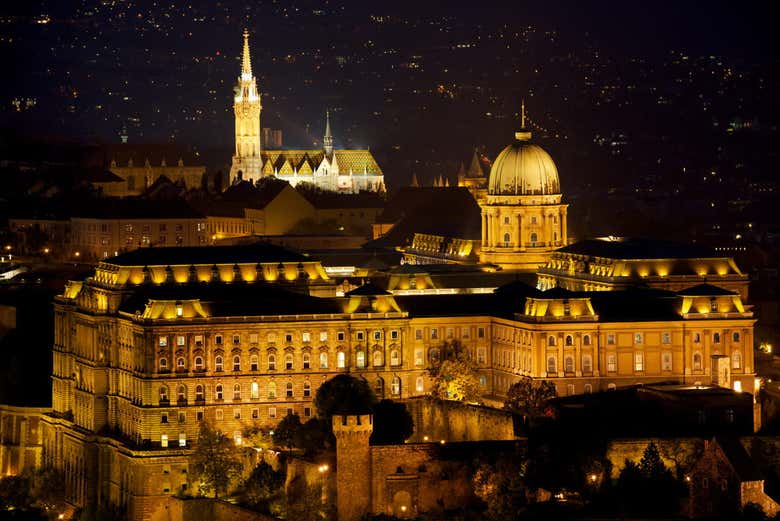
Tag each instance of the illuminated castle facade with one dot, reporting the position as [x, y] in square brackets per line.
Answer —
[523, 217]
[336, 170]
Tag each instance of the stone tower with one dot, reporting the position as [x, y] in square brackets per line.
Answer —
[247, 107]
[327, 140]
[353, 465]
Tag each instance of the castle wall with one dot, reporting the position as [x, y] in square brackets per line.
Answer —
[455, 421]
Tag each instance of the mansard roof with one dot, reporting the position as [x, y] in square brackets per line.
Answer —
[636, 248]
[261, 252]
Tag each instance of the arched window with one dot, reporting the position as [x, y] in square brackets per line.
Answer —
[180, 363]
[588, 388]
[395, 357]
[199, 396]
[697, 361]
[341, 360]
[360, 359]
[736, 360]
[254, 391]
[551, 340]
[323, 360]
[611, 387]
[306, 389]
[551, 365]
[569, 340]
[164, 397]
[272, 362]
[735, 337]
[419, 357]
[163, 364]
[198, 363]
[379, 388]
[568, 364]
[586, 340]
[434, 355]
[587, 364]
[288, 361]
[272, 389]
[218, 392]
[236, 363]
[534, 238]
[181, 393]
[716, 338]
[482, 381]
[306, 360]
[237, 392]
[254, 363]
[288, 390]
[419, 384]
[396, 386]
[378, 357]
[506, 238]
[218, 363]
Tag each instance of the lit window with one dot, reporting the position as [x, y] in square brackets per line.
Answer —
[288, 390]
[180, 340]
[360, 359]
[323, 360]
[164, 440]
[639, 362]
[611, 363]
[551, 340]
[272, 389]
[419, 384]
[736, 360]
[219, 415]
[237, 392]
[272, 362]
[738, 386]
[182, 439]
[163, 394]
[396, 386]
[253, 338]
[163, 341]
[666, 337]
[464, 332]
[254, 391]
[551, 365]
[306, 389]
[272, 412]
[434, 333]
[236, 363]
[323, 336]
[611, 339]
[378, 357]
[697, 361]
[306, 337]
[568, 364]
[341, 360]
[218, 392]
[306, 360]
[587, 364]
[218, 363]
[395, 357]
[198, 363]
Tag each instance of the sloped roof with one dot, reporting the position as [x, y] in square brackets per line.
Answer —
[635, 248]
[357, 161]
[739, 459]
[705, 290]
[153, 152]
[367, 290]
[137, 208]
[240, 254]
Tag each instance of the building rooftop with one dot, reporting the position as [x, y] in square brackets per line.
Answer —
[137, 208]
[240, 254]
[633, 248]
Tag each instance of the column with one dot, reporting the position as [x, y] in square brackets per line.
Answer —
[518, 235]
[483, 219]
[564, 227]
[521, 231]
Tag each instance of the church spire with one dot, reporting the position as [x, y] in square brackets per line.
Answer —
[327, 141]
[523, 134]
[246, 62]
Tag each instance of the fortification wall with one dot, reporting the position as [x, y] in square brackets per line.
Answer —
[673, 451]
[456, 421]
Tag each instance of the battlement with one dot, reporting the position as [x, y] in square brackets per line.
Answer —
[353, 423]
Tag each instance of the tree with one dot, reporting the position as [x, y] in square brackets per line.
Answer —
[500, 486]
[46, 488]
[262, 486]
[456, 377]
[287, 432]
[217, 460]
[315, 435]
[344, 394]
[392, 423]
[530, 397]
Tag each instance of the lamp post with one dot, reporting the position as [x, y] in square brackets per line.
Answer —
[323, 470]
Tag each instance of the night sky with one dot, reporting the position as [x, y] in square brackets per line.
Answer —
[420, 84]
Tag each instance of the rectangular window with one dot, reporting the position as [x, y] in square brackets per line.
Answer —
[182, 439]
[253, 338]
[340, 336]
[450, 332]
[198, 340]
[666, 337]
[611, 339]
[306, 337]
[360, 335]
[481, 332]
[218, 340]
[237, 414]
[394, 335]
[199, 416]
[272, 412]
[377, 335]
[236, 340]
[323, 336]
[639, 362]
[182, 417]
[307, 412]
[464, 332]
[611, 363]
[180, 340]
[638, 338]
[218, 414]
[164, 417]
[666, 361]
[418, 357]
[418, 334]
[288, 338]
[481, 355]
[434, 333]
[164, 440]
[163, 342]
[255, 414]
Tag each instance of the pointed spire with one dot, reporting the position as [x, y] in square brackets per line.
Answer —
[327, 141]
[523, 134]
[246, 62]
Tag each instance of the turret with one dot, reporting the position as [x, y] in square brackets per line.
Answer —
[327, 141]
[353, 465]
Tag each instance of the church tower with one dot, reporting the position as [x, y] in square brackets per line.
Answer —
[246, 106]
[523, 218]
[327, 141]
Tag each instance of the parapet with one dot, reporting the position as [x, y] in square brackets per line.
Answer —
[353, 423]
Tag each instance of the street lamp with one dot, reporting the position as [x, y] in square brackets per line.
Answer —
[323, 470]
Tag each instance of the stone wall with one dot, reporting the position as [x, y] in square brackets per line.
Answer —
[456, 421]
[673, 451]
[203, 509]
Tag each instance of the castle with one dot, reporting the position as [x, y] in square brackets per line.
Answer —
[332, 169]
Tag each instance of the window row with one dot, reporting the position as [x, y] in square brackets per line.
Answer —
[271, 338]
[221, 392]
[447, 332]
[638, 362]
[639, 339]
